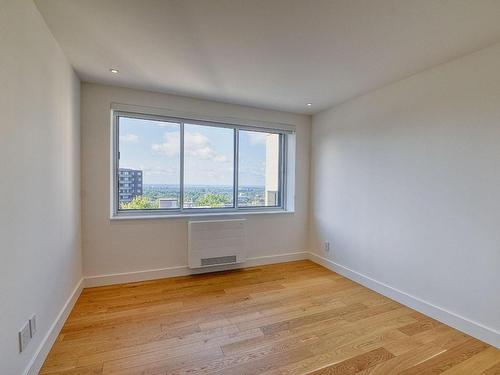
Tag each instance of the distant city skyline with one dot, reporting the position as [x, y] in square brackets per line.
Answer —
[152, 196]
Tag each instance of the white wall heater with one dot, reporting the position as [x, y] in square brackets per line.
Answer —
[216, 242]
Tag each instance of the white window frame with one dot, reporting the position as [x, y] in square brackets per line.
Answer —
[287, 163]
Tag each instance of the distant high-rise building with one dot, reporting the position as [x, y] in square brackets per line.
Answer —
[129, 184]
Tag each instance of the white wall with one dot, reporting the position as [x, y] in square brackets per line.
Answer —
[40, 253]
[406, 185]
[111, 247]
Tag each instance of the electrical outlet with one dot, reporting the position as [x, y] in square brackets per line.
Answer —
[32, 325]
[326, 246]
[24, 337]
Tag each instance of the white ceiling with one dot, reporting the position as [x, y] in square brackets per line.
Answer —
[278, 54]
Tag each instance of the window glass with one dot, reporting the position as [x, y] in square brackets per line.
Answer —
[154, 171]
[259, 169]
[148, 175]
[208, 166]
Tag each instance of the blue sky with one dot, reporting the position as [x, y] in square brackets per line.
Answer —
[153, 147]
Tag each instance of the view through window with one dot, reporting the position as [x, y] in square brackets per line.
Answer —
[208, 166]
[184, 166]
[149, 164]
[259, 164]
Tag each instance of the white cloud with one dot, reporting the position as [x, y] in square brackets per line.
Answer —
[195, 144]
[170, 146]
[129, 138]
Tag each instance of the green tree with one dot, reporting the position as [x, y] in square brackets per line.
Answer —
[212, 200]
[139, 203]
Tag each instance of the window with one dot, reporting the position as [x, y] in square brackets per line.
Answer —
[259, 169]
[169, 166]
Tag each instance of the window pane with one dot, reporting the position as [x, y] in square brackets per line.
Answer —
[208, 166]
[258, 169]
[149, 164]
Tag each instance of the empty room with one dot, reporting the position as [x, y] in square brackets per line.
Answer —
[246, 187]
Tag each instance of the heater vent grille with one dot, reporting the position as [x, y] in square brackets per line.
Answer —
[218, 260]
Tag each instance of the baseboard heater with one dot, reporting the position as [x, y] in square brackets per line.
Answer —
[216, 242]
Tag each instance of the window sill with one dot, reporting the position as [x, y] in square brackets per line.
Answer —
[198, 214]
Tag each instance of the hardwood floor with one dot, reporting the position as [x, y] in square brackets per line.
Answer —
[289, 318]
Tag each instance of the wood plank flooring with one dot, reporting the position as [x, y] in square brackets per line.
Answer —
[289, 318]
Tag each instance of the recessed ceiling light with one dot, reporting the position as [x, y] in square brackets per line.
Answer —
[309, 104]
[114, 71]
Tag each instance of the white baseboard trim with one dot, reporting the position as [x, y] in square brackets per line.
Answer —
[475, 329]
[161, 273]
[43, 349]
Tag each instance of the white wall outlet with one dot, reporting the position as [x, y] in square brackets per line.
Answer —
[24, 337]
[326, 246]
[32, 325]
